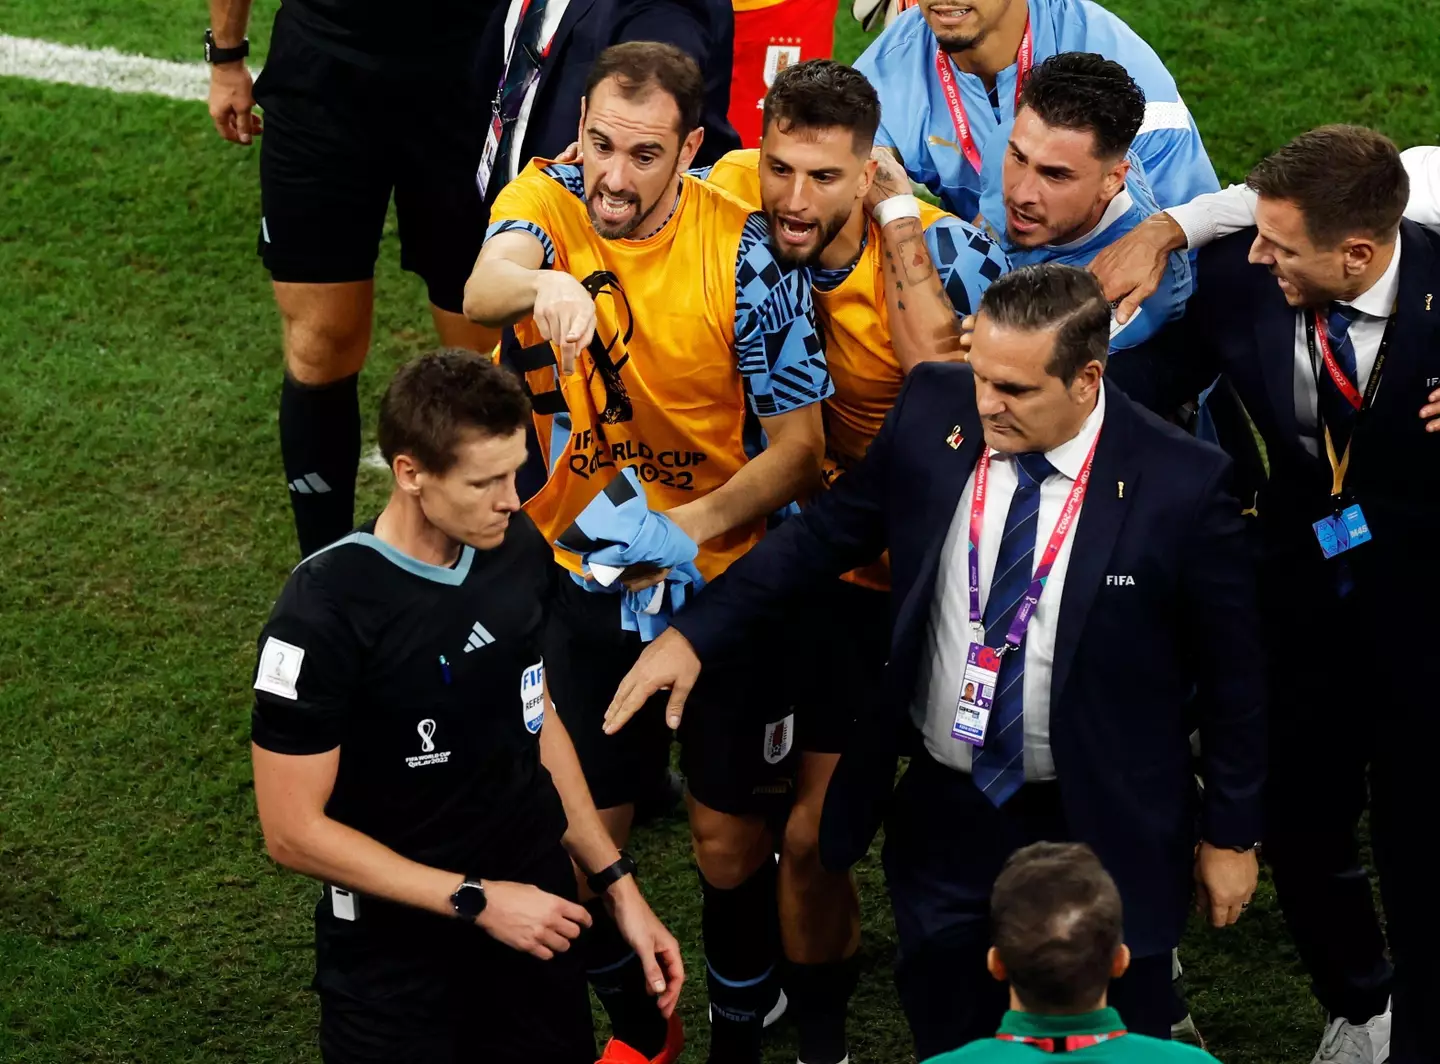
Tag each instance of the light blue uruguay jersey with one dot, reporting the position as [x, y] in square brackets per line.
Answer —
[916, 119]
[1132, 206]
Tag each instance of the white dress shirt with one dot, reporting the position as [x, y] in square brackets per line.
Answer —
[948, 634]
[1209, 217]
[1375, 305]
[554, 12]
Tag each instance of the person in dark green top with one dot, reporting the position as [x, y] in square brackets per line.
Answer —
[1058, 943]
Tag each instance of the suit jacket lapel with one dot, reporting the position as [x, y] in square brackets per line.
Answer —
[1096, 530]
[951, 468]
[1275, 344]
[553, 59]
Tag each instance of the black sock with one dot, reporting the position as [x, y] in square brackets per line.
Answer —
[320, 447]
[619, 981]
[819, 998]
[742, 944]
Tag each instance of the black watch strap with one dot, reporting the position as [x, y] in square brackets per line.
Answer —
[602, 880]
[468, 900]
[215, 54]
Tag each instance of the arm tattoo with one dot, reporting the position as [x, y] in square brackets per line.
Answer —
[915, 259]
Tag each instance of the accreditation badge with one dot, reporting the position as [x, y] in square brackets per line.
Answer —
[977, 695]
[1343, 531]
[487, 157]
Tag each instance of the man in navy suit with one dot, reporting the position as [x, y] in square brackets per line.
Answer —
[538, 54]
[1325, 319]
[1100, 578]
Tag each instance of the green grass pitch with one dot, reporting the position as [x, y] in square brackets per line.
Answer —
[145, 532]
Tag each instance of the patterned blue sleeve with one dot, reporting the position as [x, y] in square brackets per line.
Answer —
[517, 225]
[968, 261]
[777, 343]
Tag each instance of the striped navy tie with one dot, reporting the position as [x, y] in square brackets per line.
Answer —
[998, 767]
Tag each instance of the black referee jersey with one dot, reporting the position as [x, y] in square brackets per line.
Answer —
[428, 679]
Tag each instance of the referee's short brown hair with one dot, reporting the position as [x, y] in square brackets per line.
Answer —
[1346, 181]
[640, 67]
[432, 401]
[1057, 920]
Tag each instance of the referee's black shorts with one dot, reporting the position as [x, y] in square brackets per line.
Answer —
[401, 986]
[339, 140]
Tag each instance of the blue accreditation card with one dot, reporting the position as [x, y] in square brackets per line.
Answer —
[1343, 531]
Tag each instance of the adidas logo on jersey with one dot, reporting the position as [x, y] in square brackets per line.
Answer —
[479, 637]
[310, 483]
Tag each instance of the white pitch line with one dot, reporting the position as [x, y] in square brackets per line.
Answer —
[104, 68]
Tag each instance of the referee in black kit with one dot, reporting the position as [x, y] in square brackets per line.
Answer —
[405, 756]
[362, 99]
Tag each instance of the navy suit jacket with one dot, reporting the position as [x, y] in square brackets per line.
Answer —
[1238, 322]
[703, 29]
[1127, 655]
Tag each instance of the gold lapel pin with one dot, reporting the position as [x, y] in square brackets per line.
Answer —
[1427, 300]
[1119, 489]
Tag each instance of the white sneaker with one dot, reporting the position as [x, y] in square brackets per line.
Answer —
[1348, 1043]
[1379, 1031]
[1185, 1031]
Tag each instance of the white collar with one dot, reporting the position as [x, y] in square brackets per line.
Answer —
[1069, 458]
[1117, 208]
[1378, 301]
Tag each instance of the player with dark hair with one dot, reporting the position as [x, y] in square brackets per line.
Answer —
[882, 303]
[404, 756]
[688, 358]
[1068, 184]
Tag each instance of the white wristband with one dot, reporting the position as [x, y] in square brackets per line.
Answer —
[903, 206]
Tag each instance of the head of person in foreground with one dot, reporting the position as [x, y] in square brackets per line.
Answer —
[1058, 931]
[452, 430]
[639, 131]
[1038, 352]
[1329, 211]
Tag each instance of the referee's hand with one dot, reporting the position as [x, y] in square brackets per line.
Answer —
[668, 664]
[656, 947]
[526, 918]
[232, 102]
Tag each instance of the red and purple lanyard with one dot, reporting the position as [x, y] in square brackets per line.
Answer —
[957, 106]
[1047, 560]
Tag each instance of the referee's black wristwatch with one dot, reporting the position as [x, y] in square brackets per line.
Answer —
[215, 54]
[468, 900]
[607, 877]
